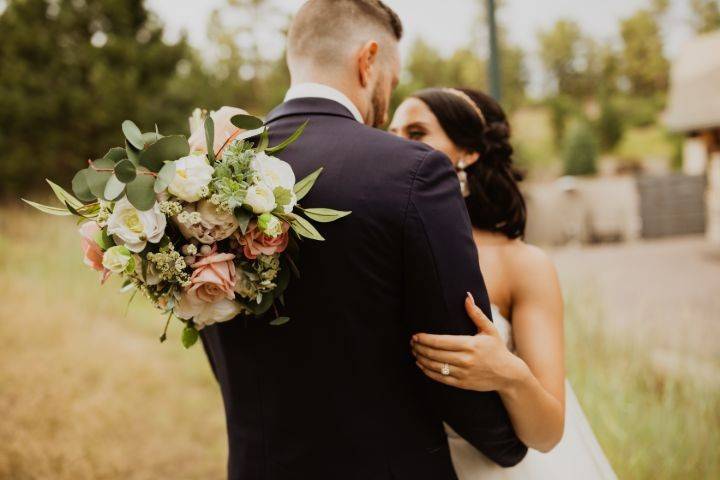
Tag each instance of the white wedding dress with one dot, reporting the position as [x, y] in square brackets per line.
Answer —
[577, 456]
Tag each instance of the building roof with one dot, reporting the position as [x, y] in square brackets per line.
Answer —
[694, 101]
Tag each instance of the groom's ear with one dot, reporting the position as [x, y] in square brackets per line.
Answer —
[366, 58]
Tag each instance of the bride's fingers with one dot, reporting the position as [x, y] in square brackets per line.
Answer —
[453, 343]
[484, 324]
[438, 377]
[437, 367]
[442, 356]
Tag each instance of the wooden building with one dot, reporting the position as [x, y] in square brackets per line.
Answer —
[694, 109]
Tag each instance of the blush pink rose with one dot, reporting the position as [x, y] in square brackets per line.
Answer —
[213, 277]
[92, 253]
[255, 242]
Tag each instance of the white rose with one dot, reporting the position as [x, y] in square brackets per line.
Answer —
[203, 313]
[214, 225]
[273, 172]
[224, 129]
[118, 259]
[135, 228]
[192, 176]
[260, 198]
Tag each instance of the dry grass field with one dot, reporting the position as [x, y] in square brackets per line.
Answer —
[87, 391]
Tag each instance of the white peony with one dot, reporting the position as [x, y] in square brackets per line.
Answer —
[135, 228]
[213, 226]
[273, 172]
[192, 176]
[203, 313]
[260, 198]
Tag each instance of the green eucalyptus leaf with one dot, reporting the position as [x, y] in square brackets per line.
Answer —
[246, 122]
[280, 321]
[115, 154]
[165, 177]
[151, 137]
[132, 154]
[305, 229]
[80, 186]
[75, 211]
[325, 215]
[288, 141]
[114, 188]
[243, 218]
[189, 336]
[125, 171]
[140, 192]
[210, 138]
[63, 195]
[133, 134]
[98, 174]
[60, 212]
[264, 305]
[303, 187]
[166, 149]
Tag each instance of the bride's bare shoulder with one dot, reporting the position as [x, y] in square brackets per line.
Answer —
[531, 266]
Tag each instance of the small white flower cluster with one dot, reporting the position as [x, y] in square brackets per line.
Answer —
[170, 265]
[189, 218]
[170, 208]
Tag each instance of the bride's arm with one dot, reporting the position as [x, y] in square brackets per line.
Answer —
[530, 384]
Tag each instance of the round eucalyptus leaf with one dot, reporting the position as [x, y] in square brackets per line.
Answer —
[140, 191]
[125, 171]
[167, 148]
[80, 186]
[98, 174]
[151, 137]
[114, 188]
[247, 122]
[132, 154]
[165, 177]
[133, 134]
[115, 154]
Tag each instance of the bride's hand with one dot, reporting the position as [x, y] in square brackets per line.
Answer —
[481, 362]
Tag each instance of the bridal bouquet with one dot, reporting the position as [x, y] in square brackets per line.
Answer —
[204, 227]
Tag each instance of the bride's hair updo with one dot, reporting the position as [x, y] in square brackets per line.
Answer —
[477, 123]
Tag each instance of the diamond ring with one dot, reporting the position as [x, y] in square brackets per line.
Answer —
[445, 369]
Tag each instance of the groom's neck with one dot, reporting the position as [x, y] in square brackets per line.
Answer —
[353, 93]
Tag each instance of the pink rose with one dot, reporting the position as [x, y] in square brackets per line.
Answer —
[255, 242]
[210, 298]
[224, 129]
[92, 253]
[213, 277]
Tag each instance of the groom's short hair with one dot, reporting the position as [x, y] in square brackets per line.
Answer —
[321, 27]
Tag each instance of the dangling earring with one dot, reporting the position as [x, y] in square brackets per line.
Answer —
[462, 176]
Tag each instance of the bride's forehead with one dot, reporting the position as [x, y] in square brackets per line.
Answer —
[412, 110]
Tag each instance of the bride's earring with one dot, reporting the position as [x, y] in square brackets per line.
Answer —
[462, 176]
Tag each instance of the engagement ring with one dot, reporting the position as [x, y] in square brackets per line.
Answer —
[445, 369]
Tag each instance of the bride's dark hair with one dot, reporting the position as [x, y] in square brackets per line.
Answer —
[495, 202]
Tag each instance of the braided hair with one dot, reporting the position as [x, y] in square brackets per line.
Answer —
[475, 122]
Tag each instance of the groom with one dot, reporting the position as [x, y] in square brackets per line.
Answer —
[334, 394]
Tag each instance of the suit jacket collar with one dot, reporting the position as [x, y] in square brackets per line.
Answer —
[309, 106]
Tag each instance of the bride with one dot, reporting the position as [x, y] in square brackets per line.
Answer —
[520, 355]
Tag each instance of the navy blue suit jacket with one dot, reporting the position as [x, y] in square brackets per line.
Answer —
[334, 393]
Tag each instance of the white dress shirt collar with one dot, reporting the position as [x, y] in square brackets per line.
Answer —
[318, 90]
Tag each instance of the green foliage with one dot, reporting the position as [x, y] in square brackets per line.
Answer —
[563, 108]
[325, 215]
[189, 336]
[610, 125]
[705, 15]
[644, 65]
[580, 153]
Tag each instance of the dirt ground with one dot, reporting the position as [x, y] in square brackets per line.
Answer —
[667, 291]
